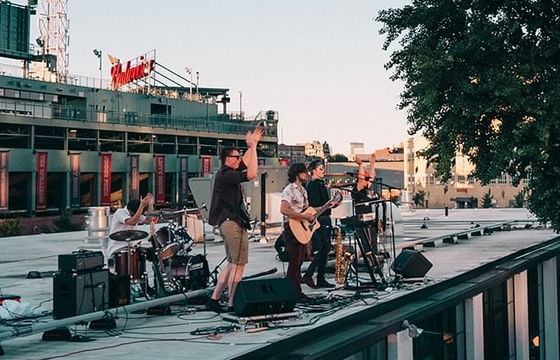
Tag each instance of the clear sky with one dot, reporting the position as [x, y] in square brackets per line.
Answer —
[318, 63]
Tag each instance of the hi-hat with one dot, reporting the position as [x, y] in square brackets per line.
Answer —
[131, 235]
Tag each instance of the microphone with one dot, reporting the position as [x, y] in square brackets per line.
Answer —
[203, 206]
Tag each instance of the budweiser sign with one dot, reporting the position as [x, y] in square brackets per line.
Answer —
[135, 69]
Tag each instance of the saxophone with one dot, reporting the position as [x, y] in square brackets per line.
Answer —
[341, 263]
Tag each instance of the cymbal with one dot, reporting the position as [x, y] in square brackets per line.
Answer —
[131, 235]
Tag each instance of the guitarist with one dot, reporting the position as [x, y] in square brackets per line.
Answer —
[321, 240]
[229, 213]
[294, 202]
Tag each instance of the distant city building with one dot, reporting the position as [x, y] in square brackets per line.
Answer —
[291, 153]
[356, 148]
[461, 191]
[326, 150]
[314, 149]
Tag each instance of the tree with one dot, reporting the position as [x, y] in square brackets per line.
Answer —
[482, 78]
[519, 199]
[338, 158]
[488, 200]
[419, 198]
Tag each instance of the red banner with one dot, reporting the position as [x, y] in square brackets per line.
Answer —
[183, 179]
[206, 165]
[160, 179]
[75, 193]
[4, 186]
[134, 178]
[105, 175]
[41, 181]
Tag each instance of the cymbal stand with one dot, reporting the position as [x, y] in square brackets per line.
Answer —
[214, 273]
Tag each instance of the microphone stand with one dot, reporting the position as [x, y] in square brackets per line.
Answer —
[393, 241]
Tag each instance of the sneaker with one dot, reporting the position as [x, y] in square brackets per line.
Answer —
[308, 280]
[322, 283]
[214, 305]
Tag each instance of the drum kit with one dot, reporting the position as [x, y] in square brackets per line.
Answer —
[175, 270]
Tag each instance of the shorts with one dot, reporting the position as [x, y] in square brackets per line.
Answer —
[236, 242]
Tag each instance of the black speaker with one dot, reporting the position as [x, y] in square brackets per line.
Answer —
[76, 294]
[119, 290]
[264, 296]
[411, 264]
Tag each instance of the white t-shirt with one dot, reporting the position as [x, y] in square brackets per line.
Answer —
[118, 224]
[296, 196]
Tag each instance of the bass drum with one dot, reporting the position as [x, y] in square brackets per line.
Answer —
[191, 271]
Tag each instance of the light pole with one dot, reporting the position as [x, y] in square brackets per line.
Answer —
[240, 104]
[197, 78]
[99, 54]
[189, 71]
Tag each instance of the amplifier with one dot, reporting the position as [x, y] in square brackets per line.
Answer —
[76, 294]
[81, 260]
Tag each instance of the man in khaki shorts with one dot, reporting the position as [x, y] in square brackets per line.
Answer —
[228, 211]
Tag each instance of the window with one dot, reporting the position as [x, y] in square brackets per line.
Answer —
[496, 334]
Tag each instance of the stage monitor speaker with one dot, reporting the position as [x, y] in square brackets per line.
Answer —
[264, 296]
[76, 294]
[411, 264]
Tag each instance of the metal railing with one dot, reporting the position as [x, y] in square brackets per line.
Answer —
[213, 123]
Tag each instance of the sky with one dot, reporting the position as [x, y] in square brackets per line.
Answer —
[319, 64]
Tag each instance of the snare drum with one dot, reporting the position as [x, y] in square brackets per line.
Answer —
[137, 263]
[191, 271]
[166, 243]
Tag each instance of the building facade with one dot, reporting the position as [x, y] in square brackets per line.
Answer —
[68, 146]
[461, 191]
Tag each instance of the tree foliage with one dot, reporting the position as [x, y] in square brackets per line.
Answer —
[482, 78]
[487, 200]
[519, 200]
[338, 158]
[419, 198]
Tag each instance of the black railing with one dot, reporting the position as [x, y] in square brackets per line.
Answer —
[214, 123]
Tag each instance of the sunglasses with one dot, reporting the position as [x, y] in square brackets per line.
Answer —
[235, 156]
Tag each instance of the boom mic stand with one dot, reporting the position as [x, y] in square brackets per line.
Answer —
[392, 236]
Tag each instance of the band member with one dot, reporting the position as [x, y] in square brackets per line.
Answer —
[228, 211]
[361, 189]
[127, 218]
[361, 194]
[294, 201]
[321, 241]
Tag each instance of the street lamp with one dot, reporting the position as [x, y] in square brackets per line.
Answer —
[99, 54]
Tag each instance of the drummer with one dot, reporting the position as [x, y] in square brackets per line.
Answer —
[127, 218]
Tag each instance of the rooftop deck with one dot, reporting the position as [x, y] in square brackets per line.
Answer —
[182, 334]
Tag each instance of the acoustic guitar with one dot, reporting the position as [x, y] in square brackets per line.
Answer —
[302, 229]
